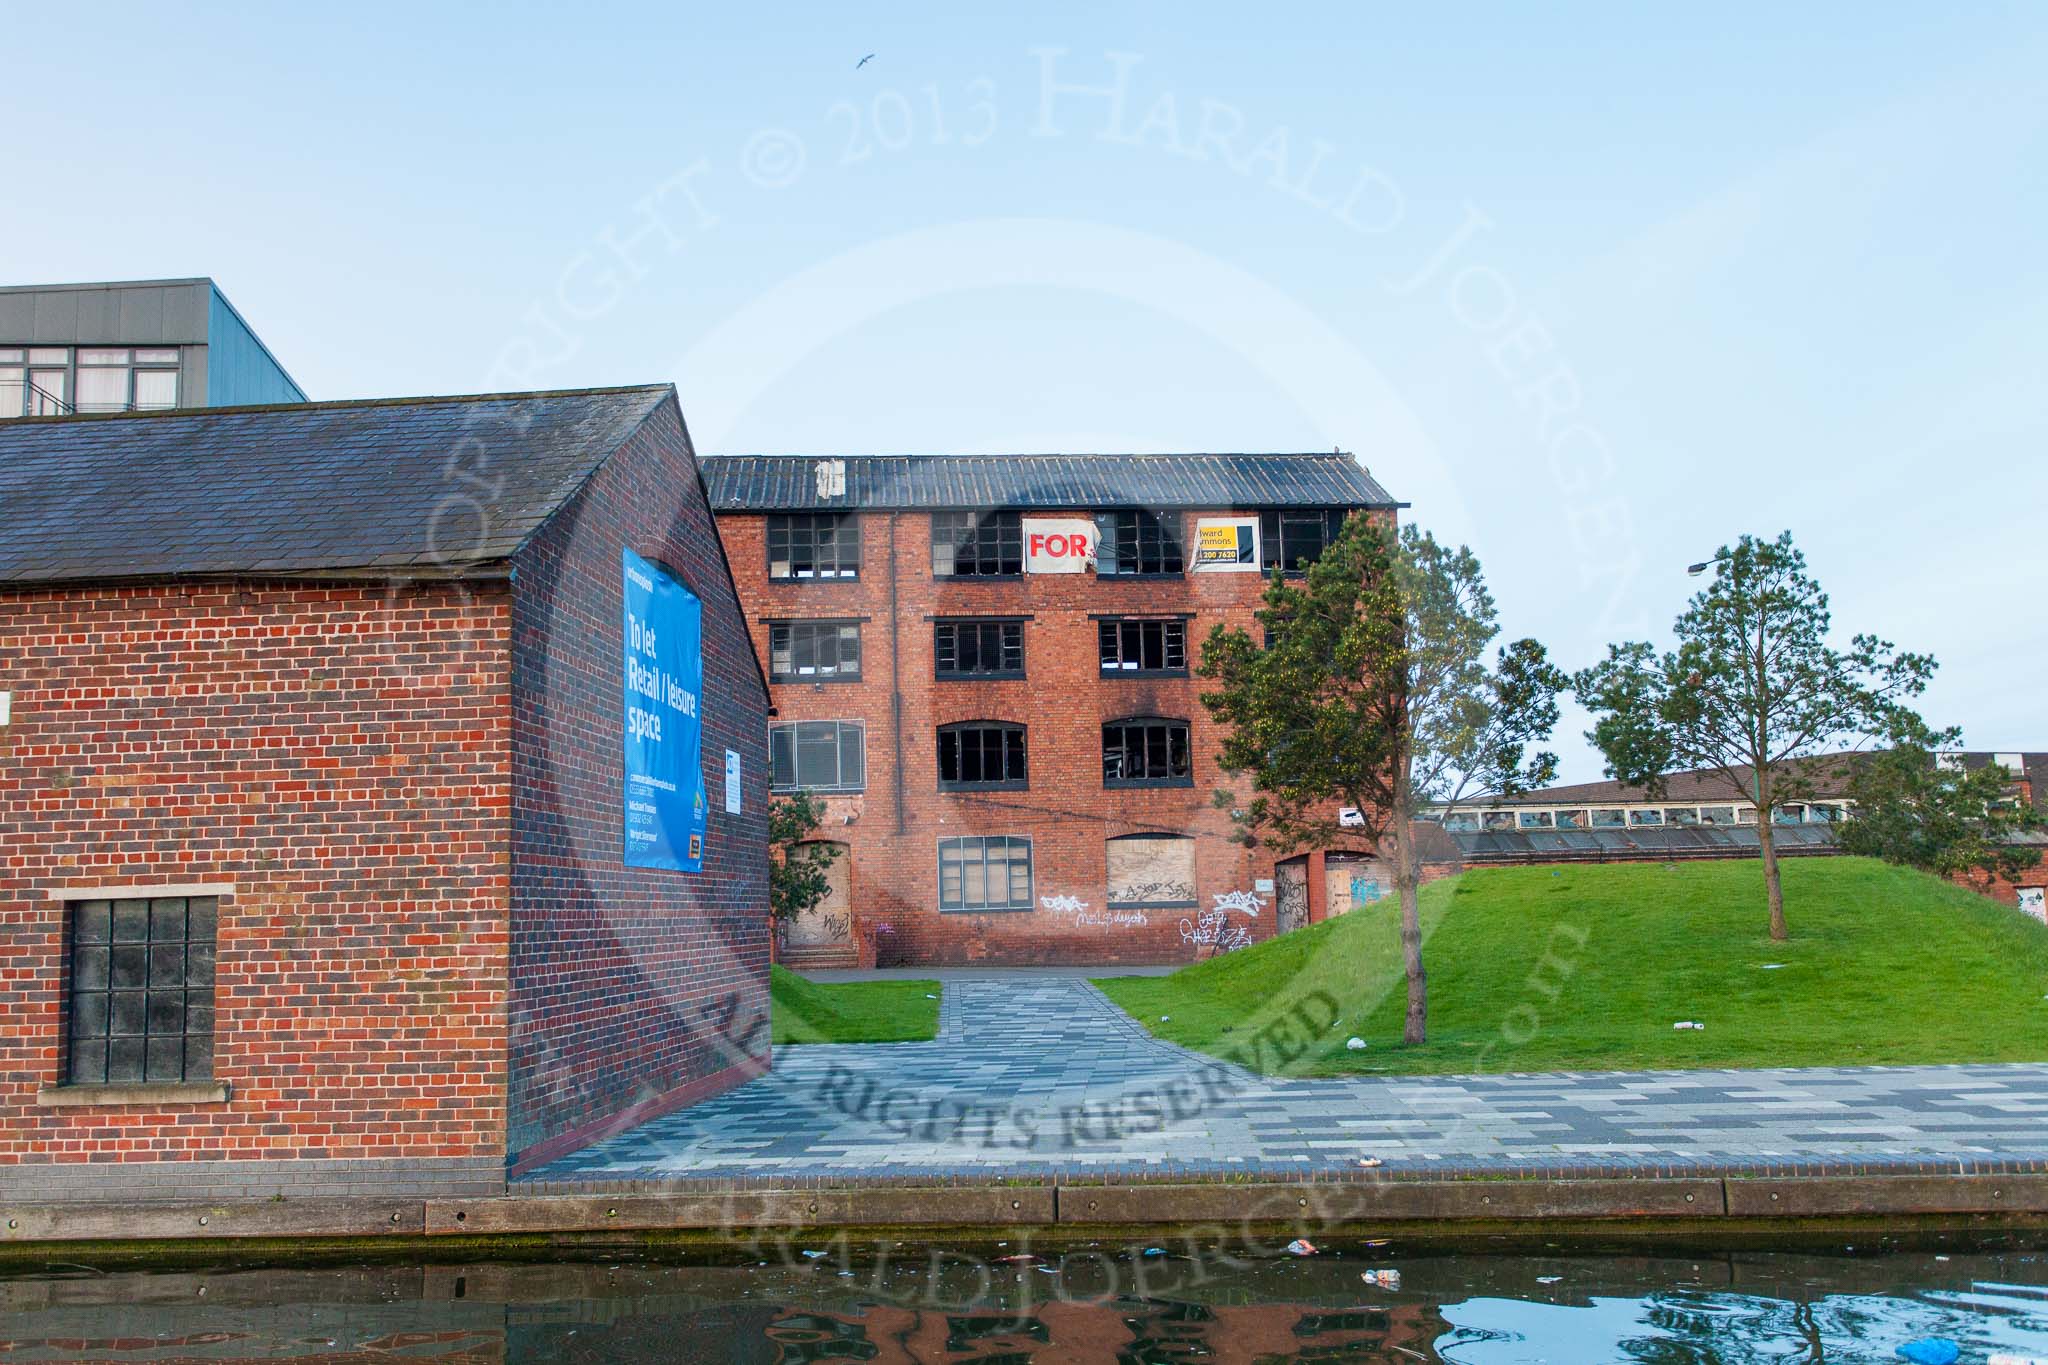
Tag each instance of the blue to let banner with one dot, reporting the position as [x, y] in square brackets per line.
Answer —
[663, 673]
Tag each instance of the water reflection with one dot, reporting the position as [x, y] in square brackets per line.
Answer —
[905, 1305]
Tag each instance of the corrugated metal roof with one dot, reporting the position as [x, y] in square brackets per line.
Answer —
[434, 483]
[805, 482]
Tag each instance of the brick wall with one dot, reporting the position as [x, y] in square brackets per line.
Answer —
[893, 828]
[341, 758]
[633, 990]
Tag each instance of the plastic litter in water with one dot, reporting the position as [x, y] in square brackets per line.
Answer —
[812, 1255]
[1155, 1251]
[1931, 1351]
[1548, 1279]
[1301, 1246]
[1370, 1161]
[1382, 1279]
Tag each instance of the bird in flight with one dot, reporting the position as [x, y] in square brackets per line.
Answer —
[863, 61]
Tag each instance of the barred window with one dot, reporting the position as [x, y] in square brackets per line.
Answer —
[1146, 751]
[142, 990]
[817, 755]
[1294, 537]
[1137, 542]
[985, 872]
[813, 545]
[977, 544]
[1143, 646]
[978, 649]
[983, 754]
[814, 651]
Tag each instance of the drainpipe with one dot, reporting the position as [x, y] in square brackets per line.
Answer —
[895, 683]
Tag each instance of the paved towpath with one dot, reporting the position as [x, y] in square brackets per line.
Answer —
[1038, 1074]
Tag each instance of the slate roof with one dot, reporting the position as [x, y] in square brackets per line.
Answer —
[762, 483]
[326, 487]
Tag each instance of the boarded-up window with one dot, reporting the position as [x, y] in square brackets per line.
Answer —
[1156, 870]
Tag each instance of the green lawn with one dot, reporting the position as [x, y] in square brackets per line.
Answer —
[852, 1011]
[1537, 969]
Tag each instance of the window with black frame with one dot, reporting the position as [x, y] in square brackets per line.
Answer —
[1291, 538]
[985, 872]
[817, 755]
[1146, 751]
[978, 649]
[977, 544]
[1138, 542]
[141, 997]
[1139, 647]
[982, 755]
[813, 545]
[814, 651]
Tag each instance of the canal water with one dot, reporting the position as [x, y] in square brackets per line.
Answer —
[902, 1304]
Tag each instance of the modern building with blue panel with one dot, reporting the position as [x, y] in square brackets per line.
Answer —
[131, 347]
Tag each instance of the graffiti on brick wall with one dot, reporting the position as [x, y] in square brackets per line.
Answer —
[1213, 929]
[1076, 910]
[1152, 893]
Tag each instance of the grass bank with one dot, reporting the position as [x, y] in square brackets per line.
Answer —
[852, 1011]
[1588, 968]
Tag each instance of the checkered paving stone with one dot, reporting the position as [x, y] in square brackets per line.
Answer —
[1043, 1075]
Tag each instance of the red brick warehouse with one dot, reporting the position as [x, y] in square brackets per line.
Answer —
[313, 777]
[983, 664]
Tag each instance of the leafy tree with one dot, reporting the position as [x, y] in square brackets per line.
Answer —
[797, 878]
[1374, 691]
[1752, 693]
[1912, 808]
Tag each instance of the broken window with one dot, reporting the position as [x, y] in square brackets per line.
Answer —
[1292, 538]
[977, 544]
[978, 649]
[1146, 752]
[1143, 646]
[981, 754]
[1137, 542]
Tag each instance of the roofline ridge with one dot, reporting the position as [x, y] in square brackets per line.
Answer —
[1045, 455]
[417, 400]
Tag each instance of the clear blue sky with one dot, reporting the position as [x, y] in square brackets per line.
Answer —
[1702, 270]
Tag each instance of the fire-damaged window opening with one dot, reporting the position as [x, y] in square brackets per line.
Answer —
[978, 649]
[142, 990]
[817, 755]
[1146, 751]
[977, 544]
[814, 651]
[982, 755]
[813, 545]
[1290, 539]
[1139, 646]
[1138, 542]
[1151, 871]
[985, 872]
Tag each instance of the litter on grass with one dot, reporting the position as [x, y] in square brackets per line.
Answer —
[1688, 1023]
[1355, 1044]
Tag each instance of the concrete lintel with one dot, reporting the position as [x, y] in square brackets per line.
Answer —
[150, 1094]
[748, 1211]
[1371, 1201]
[1808, 1195]
[131, 1222]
